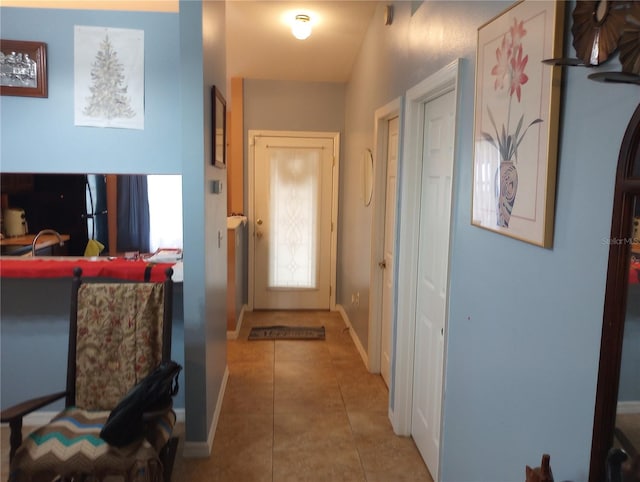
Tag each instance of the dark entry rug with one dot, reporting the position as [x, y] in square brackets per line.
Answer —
[280, 332]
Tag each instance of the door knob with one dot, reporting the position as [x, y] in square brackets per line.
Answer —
[382, 264]
[259, 222]
[259, 234]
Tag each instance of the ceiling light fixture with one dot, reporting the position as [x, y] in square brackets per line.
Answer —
[301, 27]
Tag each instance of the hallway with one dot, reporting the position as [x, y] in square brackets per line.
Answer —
[303, 411]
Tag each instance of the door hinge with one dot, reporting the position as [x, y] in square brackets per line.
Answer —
[333, 160]
[329, 290]
[332, 226]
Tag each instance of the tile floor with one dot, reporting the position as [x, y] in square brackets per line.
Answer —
[300, 411]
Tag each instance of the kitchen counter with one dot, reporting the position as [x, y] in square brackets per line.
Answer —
[234, 221]
[21, 245]
[102, 267]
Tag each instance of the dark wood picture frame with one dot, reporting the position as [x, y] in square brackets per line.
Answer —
[23, 62]
[218, 129]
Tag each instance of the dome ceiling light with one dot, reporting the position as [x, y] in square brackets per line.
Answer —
[301, 26]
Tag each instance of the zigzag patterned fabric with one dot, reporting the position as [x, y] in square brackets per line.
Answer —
[72, 441]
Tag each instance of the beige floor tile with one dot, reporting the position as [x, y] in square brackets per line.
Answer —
[352, 372]
[319, 431]
[295, 372]
[306, 397]
[250, 351]
[244, 431]
[303, 465]
[246, 398]
[372, 431]
[344, 351]
[250, 372]
[383, 465]
[370, 394]
[314, 351]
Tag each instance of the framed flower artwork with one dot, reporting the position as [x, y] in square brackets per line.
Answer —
[516, 121]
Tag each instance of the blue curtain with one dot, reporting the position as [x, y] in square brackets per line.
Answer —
[133, 214]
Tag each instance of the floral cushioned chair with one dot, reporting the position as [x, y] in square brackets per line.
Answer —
[119, 332]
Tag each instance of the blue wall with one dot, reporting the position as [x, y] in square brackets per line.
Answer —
[38, 134]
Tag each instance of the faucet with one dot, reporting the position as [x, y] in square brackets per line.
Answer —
[40, 233]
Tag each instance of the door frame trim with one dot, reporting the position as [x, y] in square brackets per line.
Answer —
[445, 80]
[381, 117]
[251, 137]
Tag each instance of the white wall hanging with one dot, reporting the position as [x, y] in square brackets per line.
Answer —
[109, 77]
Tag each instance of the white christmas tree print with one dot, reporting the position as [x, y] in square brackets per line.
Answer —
[108, 89]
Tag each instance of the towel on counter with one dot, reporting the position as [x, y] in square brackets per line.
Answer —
[94, 248]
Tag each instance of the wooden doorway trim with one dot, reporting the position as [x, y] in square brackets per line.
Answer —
[626, 189]
[112, 213]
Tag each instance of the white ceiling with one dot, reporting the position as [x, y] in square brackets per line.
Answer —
[260, 44]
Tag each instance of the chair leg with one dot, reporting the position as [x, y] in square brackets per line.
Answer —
[167, 456]
[15, 439]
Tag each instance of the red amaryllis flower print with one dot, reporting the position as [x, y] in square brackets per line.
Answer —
[517, 31]
[501, 69]
[509, 69]
[518, 77]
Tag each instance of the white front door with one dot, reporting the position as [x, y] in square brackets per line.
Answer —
[388, 250]
[433, 276]
[292, 222]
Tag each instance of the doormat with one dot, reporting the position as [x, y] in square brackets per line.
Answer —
[280, 332]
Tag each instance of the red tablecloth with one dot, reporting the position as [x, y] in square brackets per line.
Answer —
[133, 270]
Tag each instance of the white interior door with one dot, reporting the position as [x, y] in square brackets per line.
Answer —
[292, 222]
[433, 276]
[389, 247]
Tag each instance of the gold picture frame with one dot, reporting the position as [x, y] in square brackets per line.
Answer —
[23, 68]
[516, 121]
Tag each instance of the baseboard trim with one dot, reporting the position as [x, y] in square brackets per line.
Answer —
[354, 335]
[203, 449]
[233, 335]
[629, 407]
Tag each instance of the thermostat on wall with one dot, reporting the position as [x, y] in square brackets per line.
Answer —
[216, 187]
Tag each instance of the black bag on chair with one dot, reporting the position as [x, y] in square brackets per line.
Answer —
[125, 423]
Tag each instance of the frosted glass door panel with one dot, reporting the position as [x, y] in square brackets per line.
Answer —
[292, 225]
[293, 246]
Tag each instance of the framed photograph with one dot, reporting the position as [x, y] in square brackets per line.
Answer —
[516, 121]
[219, 129]
[23, 68]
